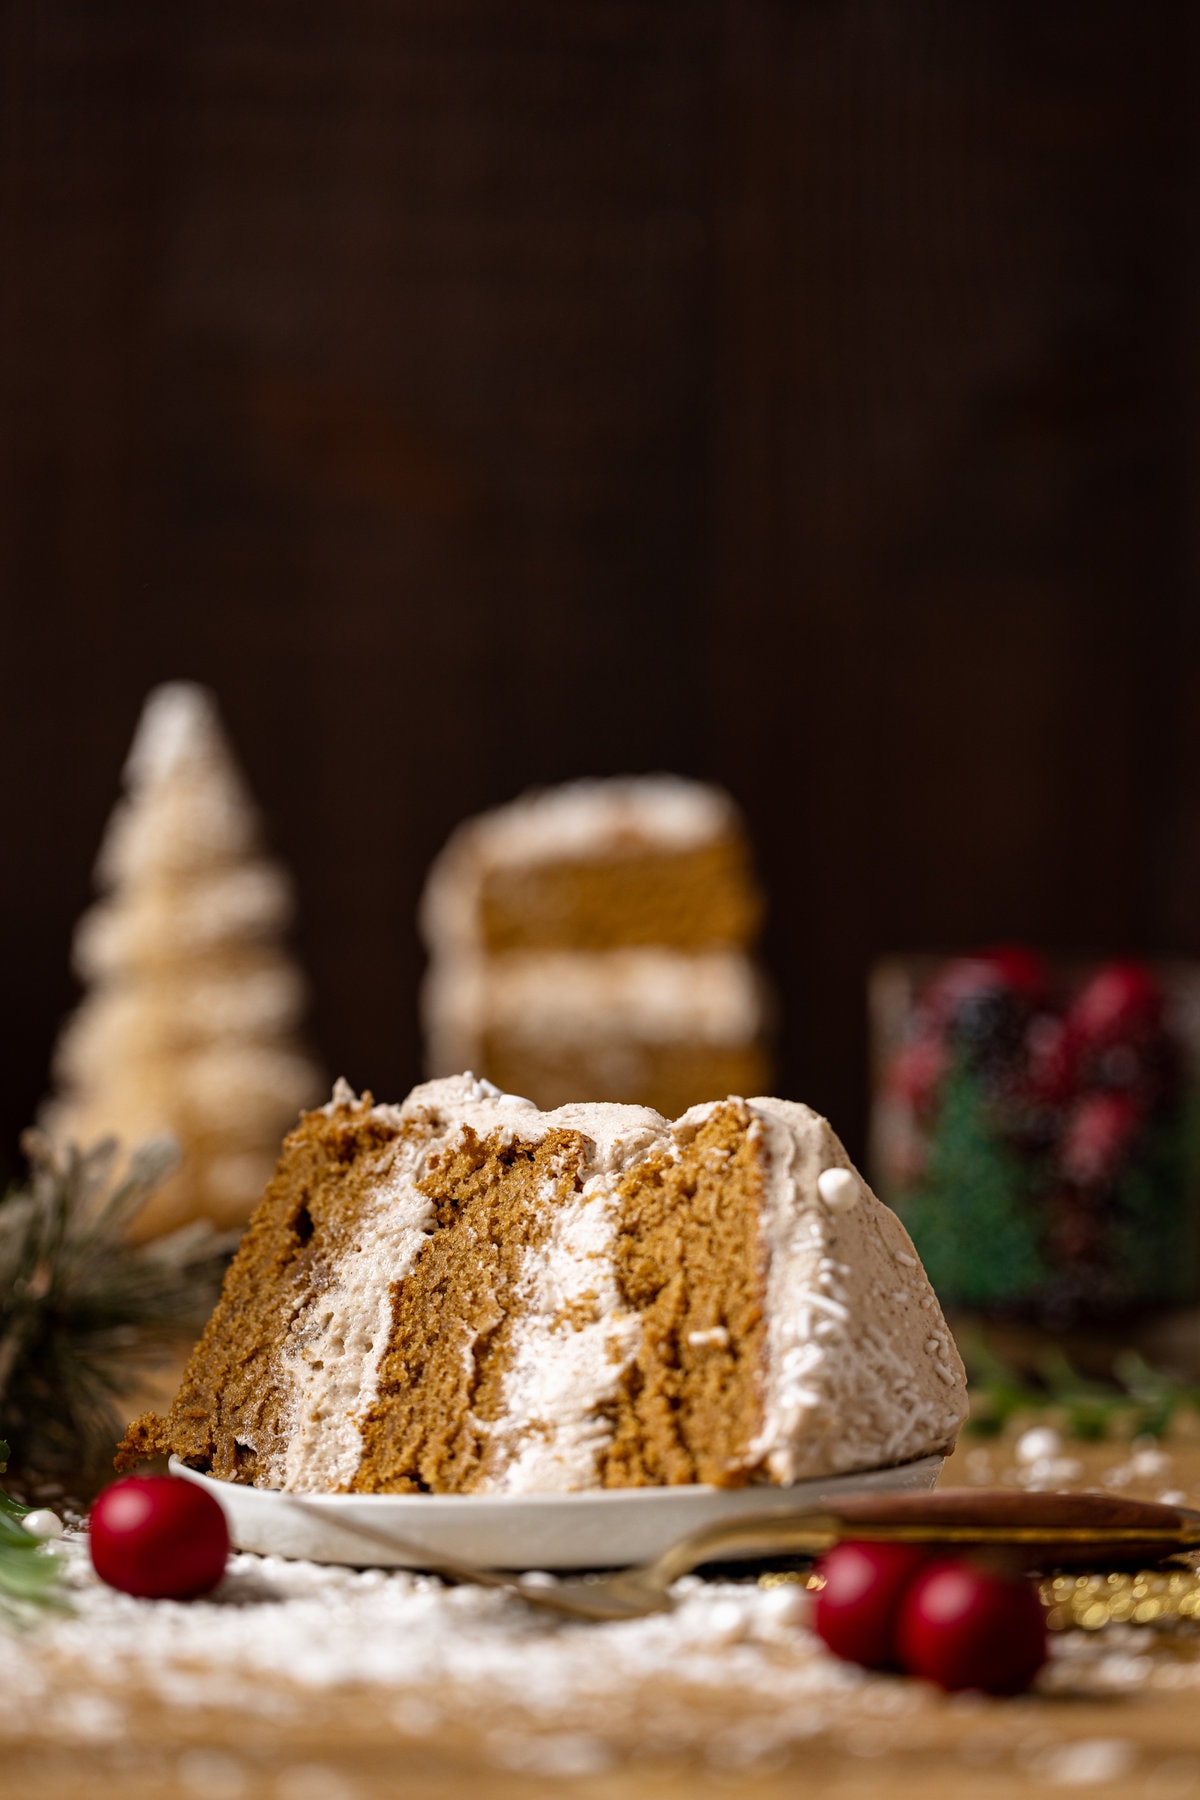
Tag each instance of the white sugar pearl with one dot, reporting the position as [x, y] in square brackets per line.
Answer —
[43, 1523]
[788, 1605]
[1041, 1443]
[838, 1188]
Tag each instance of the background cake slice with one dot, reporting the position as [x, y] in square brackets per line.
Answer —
[463, 1294]
[596, 939]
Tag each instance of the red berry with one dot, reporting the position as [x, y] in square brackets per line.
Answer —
[1006, 969]
[1099, 1132]
[158, 1536]
[1122, 1003]
[1051, 1057]
[917, 1071]
[964, 1627]
[1021, 971]
[855, 1611]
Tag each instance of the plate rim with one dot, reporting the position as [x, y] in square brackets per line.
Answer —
[935, 1462]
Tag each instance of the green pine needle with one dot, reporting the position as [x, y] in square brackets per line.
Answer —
[1138, 1400]
[83, 1311]
[29, 1569]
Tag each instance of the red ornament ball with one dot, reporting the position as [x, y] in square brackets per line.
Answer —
[1122, 1003]
[159, 1537]
[1099, 1135]
[1020, 970]
[918, 1071]
[856, 1608]
[964, 1627]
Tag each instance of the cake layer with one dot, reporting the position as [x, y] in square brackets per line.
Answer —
[597, 865]
[651, 1027]
[690, 899]
[465, 1294]
[669, 1077]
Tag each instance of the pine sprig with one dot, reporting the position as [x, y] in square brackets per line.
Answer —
[82, 1311]
[1136, 1400]
[29, 1569]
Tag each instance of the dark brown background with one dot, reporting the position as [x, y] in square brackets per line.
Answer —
[798, 393]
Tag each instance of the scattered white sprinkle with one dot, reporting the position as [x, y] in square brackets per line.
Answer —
[90, 1716]
[1085, 1763]
[1050, 1472]
[212, 1774]
[314, 1781]
[543, 1694]
[839, 1189]
[561, 1756]
[715, 1335]
[1033, 1446]
[1175, 1779]
[42, 1523]
[727, 1622]
[979, 1466]
[788, 1606]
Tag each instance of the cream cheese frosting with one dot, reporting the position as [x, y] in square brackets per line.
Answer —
[860, 1369]
[573, 998]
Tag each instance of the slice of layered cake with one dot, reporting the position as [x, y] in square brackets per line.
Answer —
[596, 939]
[463, 1294]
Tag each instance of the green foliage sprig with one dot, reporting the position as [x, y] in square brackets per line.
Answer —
[1138, 1400]
[83, 1311]
[30, 1572]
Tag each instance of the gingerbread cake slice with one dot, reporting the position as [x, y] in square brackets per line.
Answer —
[598, 938]
[463, 1294]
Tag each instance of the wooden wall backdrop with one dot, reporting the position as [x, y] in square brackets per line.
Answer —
[796, 393]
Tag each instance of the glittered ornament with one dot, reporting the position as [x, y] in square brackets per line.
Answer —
[159, 1537]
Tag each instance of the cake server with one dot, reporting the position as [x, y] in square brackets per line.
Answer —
[1044, 1531]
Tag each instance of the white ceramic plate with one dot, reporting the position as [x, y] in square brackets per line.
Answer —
[518, 1531]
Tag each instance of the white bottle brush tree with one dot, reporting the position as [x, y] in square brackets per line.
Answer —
[190, 1023]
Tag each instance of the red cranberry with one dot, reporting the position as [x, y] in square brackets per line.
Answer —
[1122, 1003]
[855, 1610]
[1099, 1132]
[158, 1536]
[964, 1627]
